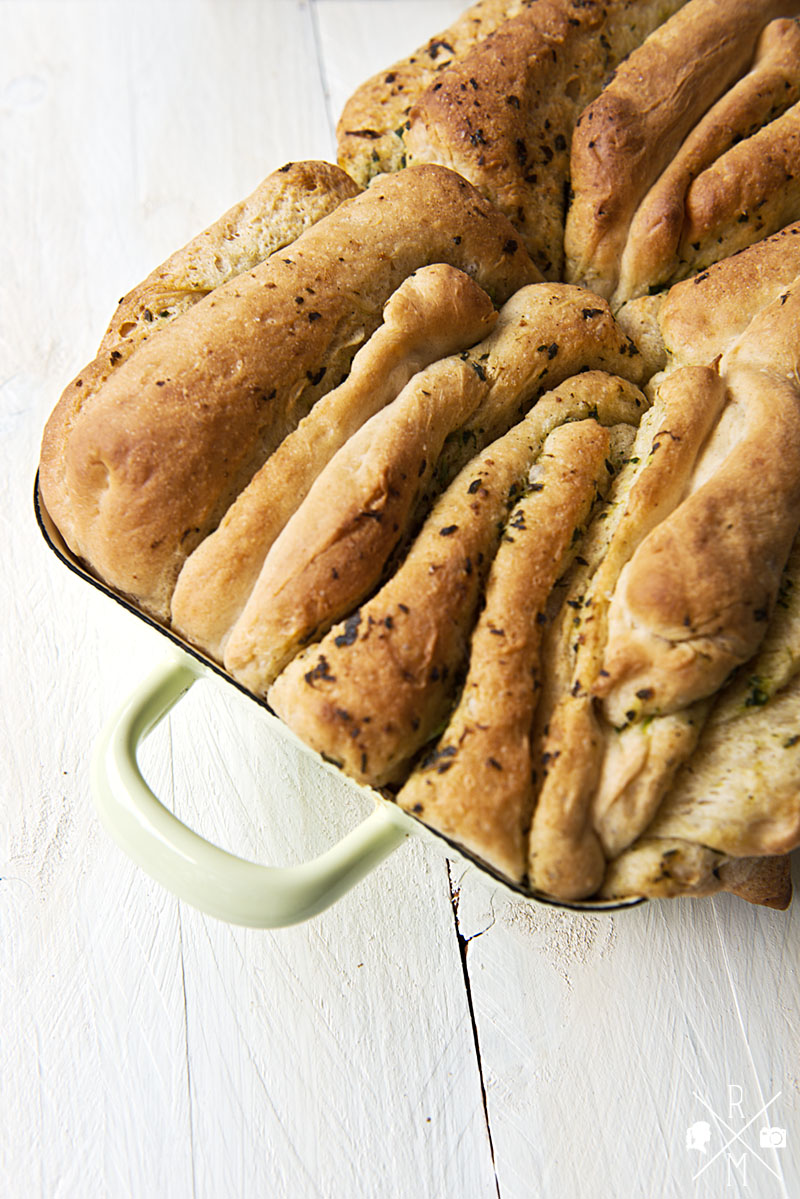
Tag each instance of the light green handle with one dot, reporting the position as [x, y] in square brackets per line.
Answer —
[208, 877]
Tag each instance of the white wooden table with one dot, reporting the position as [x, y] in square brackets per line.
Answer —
[430, 1035]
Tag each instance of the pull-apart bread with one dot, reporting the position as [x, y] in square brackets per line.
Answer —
[154, 458]
[477, 456]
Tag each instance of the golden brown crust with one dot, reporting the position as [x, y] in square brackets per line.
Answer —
[376, 688]
[701, 317]
[503, 115]
[436, 311]
[545, 332]
[369, 131]
[639, 319]
[651, 254]
[182, 426]
[640, 762]
[565, 854]
[626, 138]
[694, 600]
[739, 791]
[287, 202]
[750, 192]
[769, 343]
[475, 784]
[336, 546]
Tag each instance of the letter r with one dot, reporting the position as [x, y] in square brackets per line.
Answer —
[735, 1100]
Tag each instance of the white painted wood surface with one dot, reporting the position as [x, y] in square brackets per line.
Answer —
[429, 1035]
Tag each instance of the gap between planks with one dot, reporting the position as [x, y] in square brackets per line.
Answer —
[463, 946]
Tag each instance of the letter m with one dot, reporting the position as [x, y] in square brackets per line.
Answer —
[741, 1164]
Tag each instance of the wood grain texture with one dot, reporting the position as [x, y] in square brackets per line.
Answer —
[428, 1036]
[611, 1025]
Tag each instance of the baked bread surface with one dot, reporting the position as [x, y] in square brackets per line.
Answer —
[181, 427]
[631, 132]
[531, 568]
[289, 200]
[436, 311]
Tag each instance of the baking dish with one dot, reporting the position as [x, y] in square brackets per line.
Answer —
[205, 875]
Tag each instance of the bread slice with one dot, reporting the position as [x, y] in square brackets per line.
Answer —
[356, 516]
[181, 427]
[378, 686]
[693, 601]
[566, 858]
[652, 253]
[633, 130]
[738, 792]
[436, 311]
[474, 784]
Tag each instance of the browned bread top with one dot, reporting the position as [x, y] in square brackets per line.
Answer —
[661, 245]
[269, 405]
[436, 311]
[504, 114]
[632, 131]
[370, 129]
[288, 201]
[182, 426]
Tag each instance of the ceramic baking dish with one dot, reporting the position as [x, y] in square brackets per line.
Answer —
[203, 874]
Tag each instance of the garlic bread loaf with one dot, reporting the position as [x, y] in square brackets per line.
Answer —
[177, 431]
[486, 478]
[336, 547]
[626, 138]
[379, 685]
[287, 202]
[436, 311]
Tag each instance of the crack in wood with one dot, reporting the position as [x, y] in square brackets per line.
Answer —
[181, 958]
[463, 946]
[323, 71]
[188, 1055]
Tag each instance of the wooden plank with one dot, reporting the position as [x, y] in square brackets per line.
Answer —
[602, 1038]
[341, 1056]
[342, 1060]
[152, 1051]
